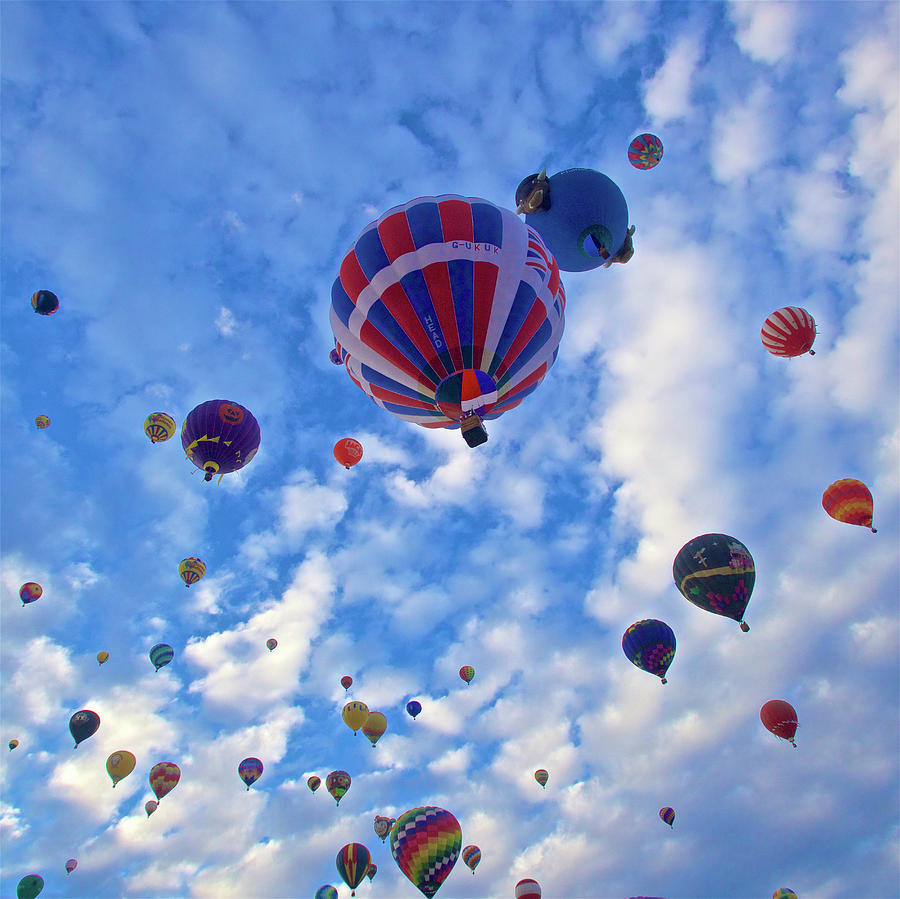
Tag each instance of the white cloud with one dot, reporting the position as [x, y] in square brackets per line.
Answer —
[667, 93]
[765, 31]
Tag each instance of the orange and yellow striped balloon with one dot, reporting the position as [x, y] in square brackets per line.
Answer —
[850, 501]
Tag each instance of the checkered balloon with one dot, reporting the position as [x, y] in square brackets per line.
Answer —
[425, 843]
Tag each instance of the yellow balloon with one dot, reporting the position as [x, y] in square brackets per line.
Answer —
[120, 764]
[102, 657]
[375, 726]
[355, 715]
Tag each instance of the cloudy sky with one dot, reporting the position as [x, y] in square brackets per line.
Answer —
[187, 178]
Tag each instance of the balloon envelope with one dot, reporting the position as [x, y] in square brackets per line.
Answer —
[413, 707]
[789, 331]
[337, 783]
[30, 592]
[250, 770]
[780, 718]
[467, 672]
[375, 726]
[471, 856]
[191, 570]
[102, 657]
[30, 886]
[383, 826]
[71, 865]
[41, 422]
[326, 892]
[83, 724]
[542, 776]
[120, 764]
[161, 654]
[784, 893]
[355, 714]
[346, 681]
[44, 302]
[352, 863]
[645, 151]
[348, 451]
[164, 777]
[668, 815]
[528, 889]
[220, 436]
[425, 843]
[850, 501]
[271, 643]
[716, 573]
[371, 871]
[150, 806]
[12, 744]
[650, 645]
[159, 427]
[313, 782]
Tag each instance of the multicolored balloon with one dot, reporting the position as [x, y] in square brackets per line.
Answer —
[161, 654]
[326, 892]
[784, 893]
[780, 718]
[789, 331]
[150, 806]
[715, 572]
[41, 422]
[849, 501]
[352, 863]
[271, 643]
[448, 310]
[371, 871]
[119, 765]
[30, 592]
[191, 570]
[314, 782]
[471, 856]
[44, 302]
[383, 826]
[30, 886]
[413, 707]
[220, 436]
[645, 151]
[12, 744]
[164, 777]
[71, 865]
[337, 783]
[102, 656]
[467, 672]
[83, 724]
[346, 682]
[542, 776]
[528, 889]
[650, 645]
[159, 427]
[375, 726]
[250, 770]
[425, 843]
[355, 714]
[668, 815]
[348, 451]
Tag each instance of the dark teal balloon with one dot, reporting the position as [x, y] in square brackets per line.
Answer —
[161, 655]
[650, 644]
[29, 886]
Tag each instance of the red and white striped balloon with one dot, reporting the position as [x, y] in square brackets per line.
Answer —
[528, 889]
[789, 331]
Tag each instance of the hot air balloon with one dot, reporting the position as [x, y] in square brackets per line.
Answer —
[789, 331]
[41, 422]
[313, 782]
[150, 806]
[83, 724]
[191, 570]
[650, 644]
[346, 682]
[780, 718]
[371, 871]
[580, 214]
[348, 451]
[71, 865]
[645, 151]
[352, 863]
[471, 855]
[30, 886]
[528, 889]
[413, 707]
[102, 656]
[850, 501]
[326, 892]
[250, 770]
[271, 643]
[159, 427]
[164, 777]
[12, 744]
[30, 592]
[161, 654]
[425, 843]
[668, 815]
[44, 302]
[467, 672]
[784, 893]
[375, 726]
[120, 764]
[383, 826]
[355, 714]
[337, 783]
[448, 310]
[220, 436]
[716, 573]
[542, 776]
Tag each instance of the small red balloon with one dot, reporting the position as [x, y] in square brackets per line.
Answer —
[780, 718]
[348, 451]
[346, 681]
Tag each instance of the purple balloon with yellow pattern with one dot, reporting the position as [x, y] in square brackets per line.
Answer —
[650, 645]
[220, 436]
[426, 843]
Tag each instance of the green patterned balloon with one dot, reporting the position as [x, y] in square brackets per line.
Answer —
[425, 843]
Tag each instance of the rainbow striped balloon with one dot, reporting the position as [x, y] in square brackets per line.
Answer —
[425, 843]
[471, 855]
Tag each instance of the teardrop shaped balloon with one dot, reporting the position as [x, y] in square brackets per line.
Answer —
[383, 826]
[30, 592]
[250, 770]
[271, 643]
[41, 422]
[191, 570]
[159, 427]
[784, 893]
[83, 724]
[448, 310]
[528, 889]
[102, 657]
[542, 776]
[348, 451]
[371, 871]
[645, 151]
[313, 782]
[780, 718]
[30, 886]
[650, 645]
[71, 865]
[44, 302]
[352, 863]
[355, 714]
[467, 672]
[375, 726]
[150, 806]
[164, 777]
[346, 682]
[716, 573]
[12, 744]
[426, 843]
[413, 707]
[161, 654]
[789, 331]
[120, 764]
[471, 856]
[220, 436]
[326, 892]
[337, 783]
[668, 815]
[849, 501]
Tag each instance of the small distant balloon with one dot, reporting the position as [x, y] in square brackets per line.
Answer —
[650, 645]
[780, 718]
[528, 889]
[426, 843]
[41, 422]
[161, 654]
[337, 783]
[30, 592]
[645, 151]
[44, 302]
[346, 682]
[371, 871]
[374, 727]
[83, 724]
[326, 892]
[849, 501]
[120, 764]
[102, 656]
[159, 427]
[789, 331]
[352, 863]
[150, 806]
[271, 643]
[784, 893]
[383, 826]
[30, 886]
[668, 815]
[71, 865]
[413, 707]
[313, 782]
[467, 672]
[471, 856]
[13, 744]
[348, 451]
[542, 776]
[355, 714]
[164, 777]
[250, 770]
[191, 570]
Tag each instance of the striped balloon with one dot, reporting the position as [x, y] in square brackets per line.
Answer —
[164, 778]
[849, 501]
[352, 863]
[161, 654]
[668, 815]
[191, 570]
[645, 151]
[789, 331]
[528, 889]
[425, 843]
[471, 856]
[448, 307]
[159, 427]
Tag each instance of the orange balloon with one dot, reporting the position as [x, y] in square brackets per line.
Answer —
[348, 451]
[850, 501]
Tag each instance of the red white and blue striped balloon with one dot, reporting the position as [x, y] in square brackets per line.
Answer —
[789, 331]
[446, 306]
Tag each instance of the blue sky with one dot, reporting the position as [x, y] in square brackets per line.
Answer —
[187, 178]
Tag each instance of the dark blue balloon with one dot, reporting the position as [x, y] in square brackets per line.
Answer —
[414, 707]
[650, 644]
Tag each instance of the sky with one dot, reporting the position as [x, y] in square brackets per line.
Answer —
[187, 178]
